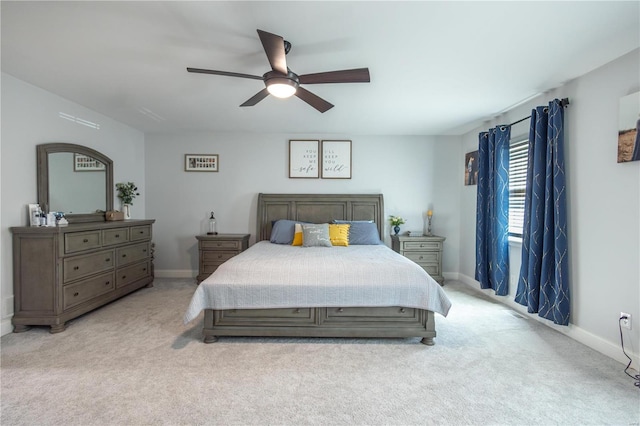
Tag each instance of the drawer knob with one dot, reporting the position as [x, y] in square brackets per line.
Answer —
[141, 232]
[421, 245]
[85, 240]
[144, 269]
[76, 294]
[421, 257]
[402, 310]
[124, 255]
[108, 259]
[124, 276]
[340, 310]
[75, 268]
[297, 311]
[117, 235]
[107, 283]
[144, 250]
[219, 256]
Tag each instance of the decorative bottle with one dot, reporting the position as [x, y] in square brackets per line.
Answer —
[212, 225]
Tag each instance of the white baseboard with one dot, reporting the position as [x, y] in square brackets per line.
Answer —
[6, 327]
[612, 350]
[175, 273]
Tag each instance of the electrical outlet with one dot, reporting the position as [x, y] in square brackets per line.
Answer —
[625, 320]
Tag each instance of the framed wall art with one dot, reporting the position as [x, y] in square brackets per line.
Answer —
[84, 163]
[304, 159]
[201, 162]
[336, 159]
[629, 128]
[471, 168]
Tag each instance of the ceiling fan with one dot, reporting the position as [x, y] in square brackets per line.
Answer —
[283, 83]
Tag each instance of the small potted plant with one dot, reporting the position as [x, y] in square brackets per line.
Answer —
[396, 221]
[127, 192]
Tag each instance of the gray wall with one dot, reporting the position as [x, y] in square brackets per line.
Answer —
[413, 173]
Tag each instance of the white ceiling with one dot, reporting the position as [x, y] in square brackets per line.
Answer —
[436, 67]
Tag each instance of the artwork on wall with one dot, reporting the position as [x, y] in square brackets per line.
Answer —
[84, 163]
[629, 128]
[201, 162]
[304, 159]
[471, 168]
[336, 159]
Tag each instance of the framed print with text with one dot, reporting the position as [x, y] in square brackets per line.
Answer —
[336, 159]
[304, 159]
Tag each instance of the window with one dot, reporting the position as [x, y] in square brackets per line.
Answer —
[517, 185]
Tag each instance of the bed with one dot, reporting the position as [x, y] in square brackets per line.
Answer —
[268, 290]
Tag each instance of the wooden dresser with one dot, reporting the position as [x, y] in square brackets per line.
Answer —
[425, 251]
[60, 273]
[214, 250]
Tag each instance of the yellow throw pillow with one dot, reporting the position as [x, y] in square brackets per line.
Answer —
[339, 234]
[297, 236]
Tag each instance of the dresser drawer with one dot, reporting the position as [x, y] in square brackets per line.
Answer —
[421, 245]
[131, 254]
[220, 245]
[115, 236]
[217, 257]
[421, 257]
[81, 266]
[129, 274]
[140, 233]
[432, 269]
[74, 294]
[209, 268]
[80, 241]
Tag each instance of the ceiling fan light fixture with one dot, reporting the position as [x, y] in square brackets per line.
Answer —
[282, 87]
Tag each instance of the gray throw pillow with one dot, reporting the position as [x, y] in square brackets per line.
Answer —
[282, 231]
[362, 232]
[316, 235]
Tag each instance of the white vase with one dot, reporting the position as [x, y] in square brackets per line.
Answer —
[126, 209]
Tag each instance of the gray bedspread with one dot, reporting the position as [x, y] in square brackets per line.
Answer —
[280, 276]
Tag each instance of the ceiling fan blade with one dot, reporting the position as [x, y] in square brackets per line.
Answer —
[256, 98]
[358, 75]
[274, 48]
[313, 100]
[227, 73]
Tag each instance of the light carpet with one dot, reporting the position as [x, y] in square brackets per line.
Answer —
[133, 362]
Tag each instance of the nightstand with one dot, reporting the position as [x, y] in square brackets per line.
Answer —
[214, 250]
[426, 251]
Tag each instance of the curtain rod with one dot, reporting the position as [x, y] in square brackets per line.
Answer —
[564, 102]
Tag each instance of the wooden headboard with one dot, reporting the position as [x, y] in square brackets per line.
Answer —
[318, 208]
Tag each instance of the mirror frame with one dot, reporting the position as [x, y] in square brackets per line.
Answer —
[42, 156]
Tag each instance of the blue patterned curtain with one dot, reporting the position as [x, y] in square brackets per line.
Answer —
[492, 210]
[543, 284]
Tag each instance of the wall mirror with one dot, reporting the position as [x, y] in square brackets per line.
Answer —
[75, 180]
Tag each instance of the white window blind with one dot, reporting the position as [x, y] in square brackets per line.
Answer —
[517, 185]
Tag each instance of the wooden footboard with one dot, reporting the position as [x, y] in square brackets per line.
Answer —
[321, 322]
